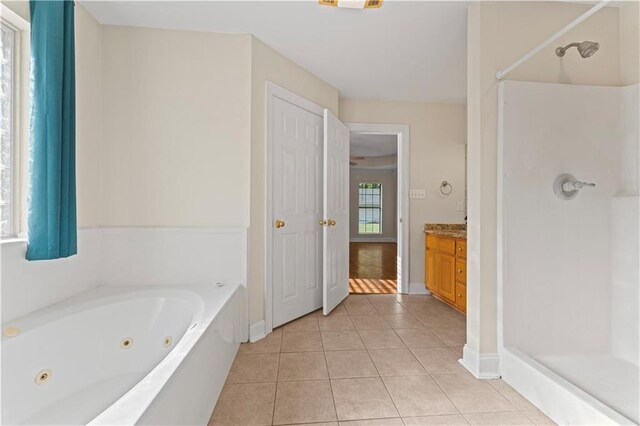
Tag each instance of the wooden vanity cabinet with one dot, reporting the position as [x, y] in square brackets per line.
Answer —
[446, 269]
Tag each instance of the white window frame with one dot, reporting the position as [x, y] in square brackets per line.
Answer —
[20, 130]
[380, 215]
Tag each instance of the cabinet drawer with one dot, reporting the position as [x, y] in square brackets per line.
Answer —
[461, 297]
[461, 248]
[461, 271]
[445, 245]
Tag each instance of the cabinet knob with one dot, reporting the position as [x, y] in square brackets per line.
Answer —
[459, 248]
[460, 270]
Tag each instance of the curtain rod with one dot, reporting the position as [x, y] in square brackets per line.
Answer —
[503, 73]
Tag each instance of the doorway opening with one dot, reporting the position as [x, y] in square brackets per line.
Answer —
[373, 182]
[377, 209]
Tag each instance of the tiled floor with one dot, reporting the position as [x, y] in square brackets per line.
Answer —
[376, 360]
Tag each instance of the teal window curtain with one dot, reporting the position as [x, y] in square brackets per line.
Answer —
[52, 226]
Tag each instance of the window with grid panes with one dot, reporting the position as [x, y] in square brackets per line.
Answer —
[370, 208]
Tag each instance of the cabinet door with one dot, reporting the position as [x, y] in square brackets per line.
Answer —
[446, 266]
[431, 271]
[461, 297]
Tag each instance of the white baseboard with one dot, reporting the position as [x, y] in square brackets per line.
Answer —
[257, 331]
[482, 366]
[373, 240]
[418, 288]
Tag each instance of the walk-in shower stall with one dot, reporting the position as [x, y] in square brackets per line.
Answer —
[568, 258]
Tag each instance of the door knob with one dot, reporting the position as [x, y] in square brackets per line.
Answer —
[323, 222]
[332, 222]
[279, 223]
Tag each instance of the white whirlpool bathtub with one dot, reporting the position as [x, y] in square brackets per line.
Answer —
[122, 355]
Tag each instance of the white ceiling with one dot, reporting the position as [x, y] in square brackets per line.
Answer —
[373, 145]
[411, 50]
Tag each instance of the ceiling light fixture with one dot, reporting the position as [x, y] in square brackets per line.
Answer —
[352, 4]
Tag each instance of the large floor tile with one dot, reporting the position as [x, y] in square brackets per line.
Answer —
[382, 297]
[336, 323]
[356, 299]
[439, 360]
[374, 422]
[471, 395]
[306, 323]
[304, 402]
[302, 366]
[337, 311]
[392, 308]
[452, 419]
[315, 424]
[520, 402]
[308, 341]
[423, 298]
[245, 404]
[451, 336]
[416, 307]
[358, 399]
[341, 340]
[418, 396]
[458, 351]
[396, 362]
[350, 364]
[419, 338]
[447, 318]
[380, 339]
[269, 344]
[538, 417]
[503, 418]
[361, 309]
[369, 322]
[403, 321]
[254, 368]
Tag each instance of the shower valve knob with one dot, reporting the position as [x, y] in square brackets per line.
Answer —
[566, 186]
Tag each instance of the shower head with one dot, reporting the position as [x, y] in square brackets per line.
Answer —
[586, 48]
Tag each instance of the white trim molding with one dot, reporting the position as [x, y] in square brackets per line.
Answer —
[257, 331]
[418, 288]
[482, 366]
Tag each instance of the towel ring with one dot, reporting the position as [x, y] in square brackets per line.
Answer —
[445, 188]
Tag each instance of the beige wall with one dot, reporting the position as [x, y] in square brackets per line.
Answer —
[88, 118]
[630, 42]
[436, 153]
[389, 181]
[498, 34]
[269, 65]
[176, 128]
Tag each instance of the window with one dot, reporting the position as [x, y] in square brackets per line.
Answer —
[7, 46]
[370, 208]
[13, 77]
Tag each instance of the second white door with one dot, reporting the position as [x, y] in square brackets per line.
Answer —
[335, 253]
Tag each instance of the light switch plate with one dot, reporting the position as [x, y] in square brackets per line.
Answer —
[417, 194]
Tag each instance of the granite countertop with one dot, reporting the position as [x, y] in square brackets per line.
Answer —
[446, 229]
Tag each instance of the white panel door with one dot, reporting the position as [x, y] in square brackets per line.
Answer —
[335, 259]
[297, 204]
